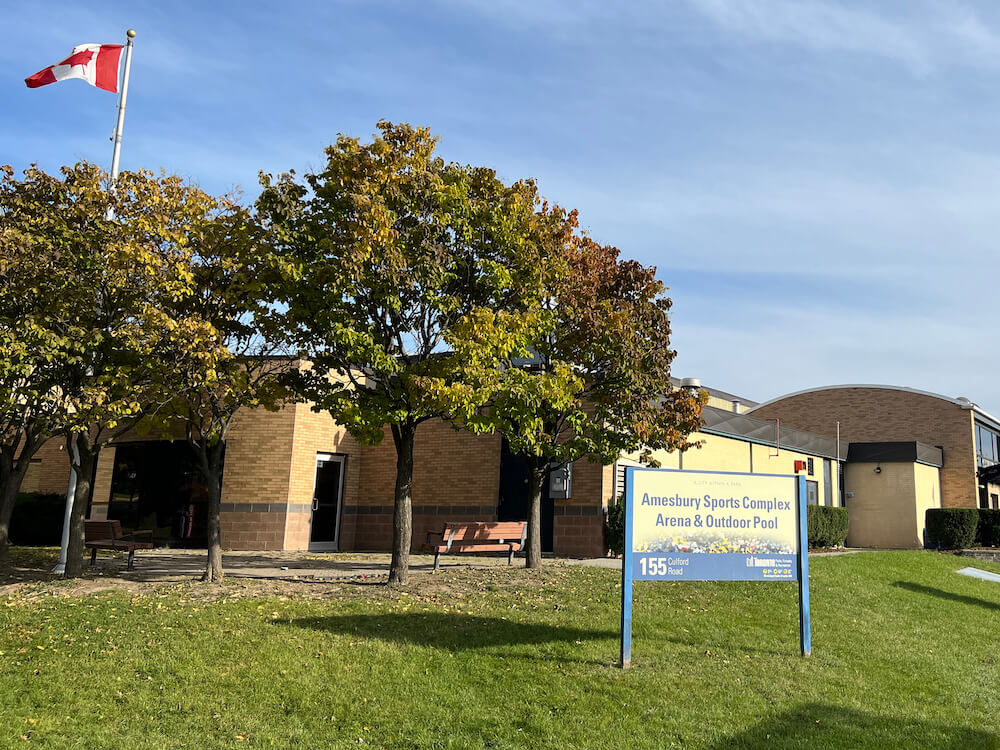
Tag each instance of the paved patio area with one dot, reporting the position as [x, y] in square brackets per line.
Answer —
[177, 565]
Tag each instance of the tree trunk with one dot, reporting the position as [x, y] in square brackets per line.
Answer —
[533, 556]
[10, 483]
[87, 452]
[12, 471]
[402, 512]
[211, 473]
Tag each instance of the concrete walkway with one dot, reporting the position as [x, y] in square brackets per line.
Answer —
[178, 565]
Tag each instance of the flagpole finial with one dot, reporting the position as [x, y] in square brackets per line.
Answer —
[130, 33]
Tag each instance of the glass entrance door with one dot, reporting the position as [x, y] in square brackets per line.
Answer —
[328, 492]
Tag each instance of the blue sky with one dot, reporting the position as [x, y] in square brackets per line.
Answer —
[818, 182]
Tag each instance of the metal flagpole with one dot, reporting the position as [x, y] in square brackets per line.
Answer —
[121, 106]
[115, 158]
[60, 568]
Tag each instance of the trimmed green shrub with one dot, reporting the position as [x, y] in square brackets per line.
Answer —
[988, 532]
[951, 528]
[37, 519]
[614, 526]
[826, 526]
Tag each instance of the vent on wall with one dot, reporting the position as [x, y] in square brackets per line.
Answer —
[619, 480]
[619, 488]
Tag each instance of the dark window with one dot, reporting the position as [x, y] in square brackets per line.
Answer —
[986, 446]
[156, 486]
[812, 492]
[515, 494]
[827, 483]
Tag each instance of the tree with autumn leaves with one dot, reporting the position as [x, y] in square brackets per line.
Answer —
[86, 336]
[595, 383]
[33, 348]
[417, 289]
[144, 307]
[395, 253]
[242, 359]
[420, 290]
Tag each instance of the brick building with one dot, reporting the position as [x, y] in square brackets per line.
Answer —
[900, 426]
[294, 480]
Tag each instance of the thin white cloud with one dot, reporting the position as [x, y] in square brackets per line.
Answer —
[821, 25]
[922, 36]
[825, 216]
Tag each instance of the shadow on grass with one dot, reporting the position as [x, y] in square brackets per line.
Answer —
[942, 594]
[455, 632]
[25, 564]
[821, 725]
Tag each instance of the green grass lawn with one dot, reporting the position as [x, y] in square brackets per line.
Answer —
[905, 654]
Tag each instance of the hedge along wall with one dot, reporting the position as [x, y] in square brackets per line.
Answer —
[827, 526]
[37, 519]
[614, 526]
[951, 528]
[988, 530]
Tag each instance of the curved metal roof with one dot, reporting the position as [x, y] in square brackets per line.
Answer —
[963, 403]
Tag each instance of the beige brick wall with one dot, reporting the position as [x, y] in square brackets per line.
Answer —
[887, 508]
[456, 477]
[270, 473]
[102, 482]
[50, 469]
[883, 414]
[256, 473]
[578, 522]
[316, 432]
[258, 457]
[32, 477]
[450, 467]
[253, 530]
[927, 494]
[720, 453]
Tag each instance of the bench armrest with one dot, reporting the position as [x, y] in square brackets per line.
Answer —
[142, 533]
[438, 534]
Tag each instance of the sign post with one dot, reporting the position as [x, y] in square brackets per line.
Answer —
[805, 636]
[714, 526]
[627, 577]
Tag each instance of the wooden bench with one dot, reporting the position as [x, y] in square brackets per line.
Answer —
[108, 535]
[491, 536]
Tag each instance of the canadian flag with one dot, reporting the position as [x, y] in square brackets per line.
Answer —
[97, 64]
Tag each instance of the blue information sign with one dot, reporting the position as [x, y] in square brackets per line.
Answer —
[713, 526]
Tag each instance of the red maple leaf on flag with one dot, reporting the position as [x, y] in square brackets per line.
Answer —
[79, 58]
